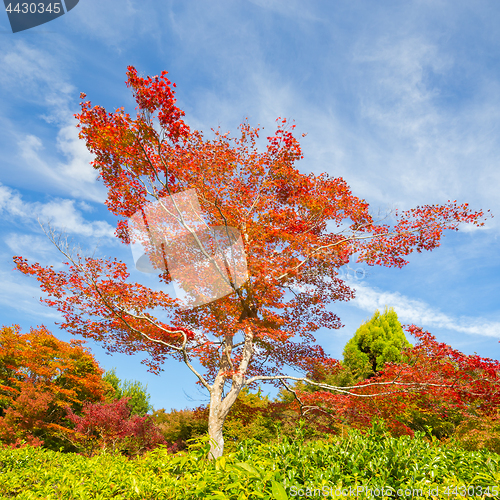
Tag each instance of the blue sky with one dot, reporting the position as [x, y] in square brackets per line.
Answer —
[401, 99]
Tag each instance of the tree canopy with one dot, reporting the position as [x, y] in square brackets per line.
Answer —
[135, 391]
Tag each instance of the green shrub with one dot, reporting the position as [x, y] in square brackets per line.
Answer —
[179, 426]
[254, 471]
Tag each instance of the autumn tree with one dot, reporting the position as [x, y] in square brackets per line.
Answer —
[458, 388]
[480, 433]
[375, 342]
[268, 239]
[112, 427]
[40, 376]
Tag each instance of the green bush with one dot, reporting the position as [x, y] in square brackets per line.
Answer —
[479, 433]
[179, 426]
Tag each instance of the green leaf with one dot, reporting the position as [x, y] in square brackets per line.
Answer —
[279, 492]
[248, 468]
[218, 495]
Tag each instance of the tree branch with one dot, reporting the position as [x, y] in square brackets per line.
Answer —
[347, 390]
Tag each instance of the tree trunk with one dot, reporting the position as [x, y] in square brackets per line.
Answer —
[219, 405]
[218, 411]
[215, 426]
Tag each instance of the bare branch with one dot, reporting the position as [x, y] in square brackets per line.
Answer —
[92, 283]
[304, 409]
[348, 390]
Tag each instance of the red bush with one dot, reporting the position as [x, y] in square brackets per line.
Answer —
[108, 426]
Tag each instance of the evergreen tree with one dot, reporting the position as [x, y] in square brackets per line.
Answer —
[375, 343]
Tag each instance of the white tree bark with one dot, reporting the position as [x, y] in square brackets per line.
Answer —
[220, 406]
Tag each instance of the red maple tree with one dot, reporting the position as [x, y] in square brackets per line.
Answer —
[435, 382]
[297, 230]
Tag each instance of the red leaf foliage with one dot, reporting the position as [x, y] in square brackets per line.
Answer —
[108, 426]
[436, 380]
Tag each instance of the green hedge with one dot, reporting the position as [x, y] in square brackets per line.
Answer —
[256, 471]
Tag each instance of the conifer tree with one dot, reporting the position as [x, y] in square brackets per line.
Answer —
[375, 343]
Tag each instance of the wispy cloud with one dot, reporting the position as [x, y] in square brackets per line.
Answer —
[60, 213]
[75, 177]
[418, 312]
[29, 246]
[39, 78]
[418, 138]
[36, 75]
[112, 22]
[21, 294]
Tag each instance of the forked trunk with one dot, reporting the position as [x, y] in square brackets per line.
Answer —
[220, 405]
[218, 411]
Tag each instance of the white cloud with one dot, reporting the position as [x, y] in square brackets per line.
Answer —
[469, 228]
[11, 202]
[85, 206]
[113, 22]
[37, 76]
[19, 244]
[78, 156]
[35, 248]
[401, 91]
[407, 145]
[401, 143]
[76, 177]
[62, 214]
[431, 150]
[417, 312]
